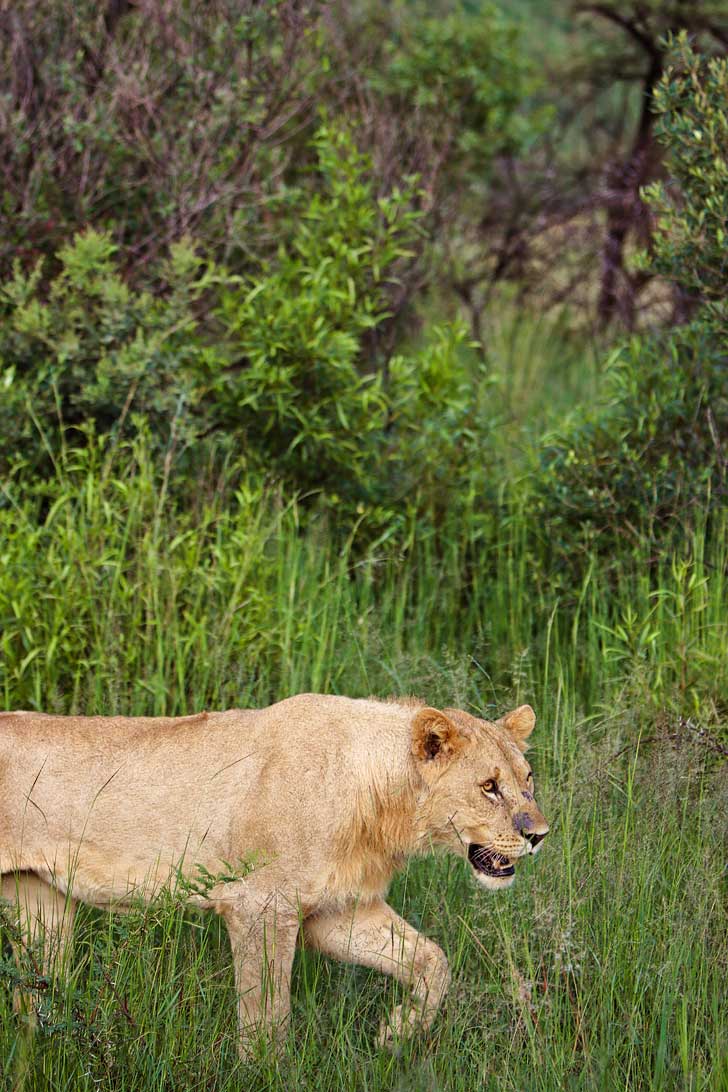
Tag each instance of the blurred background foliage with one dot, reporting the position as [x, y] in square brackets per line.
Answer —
[412, 264]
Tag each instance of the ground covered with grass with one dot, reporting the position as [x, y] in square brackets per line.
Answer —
[603, 967]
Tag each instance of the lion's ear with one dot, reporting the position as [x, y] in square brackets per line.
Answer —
[519, 724]
[434, 736]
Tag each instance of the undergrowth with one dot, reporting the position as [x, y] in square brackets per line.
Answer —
[604, 967]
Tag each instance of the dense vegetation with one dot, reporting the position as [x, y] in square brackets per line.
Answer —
[307, 381]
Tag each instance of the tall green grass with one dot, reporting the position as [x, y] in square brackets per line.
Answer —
[115, 599]
[604, 967]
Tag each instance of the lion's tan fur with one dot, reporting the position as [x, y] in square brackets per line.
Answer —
[328, 795]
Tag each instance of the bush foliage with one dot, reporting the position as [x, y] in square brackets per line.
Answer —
[92, 351]
[645, 464]
[691, 241]
[286, 347]
[153, 123]
[653, 457]
[275, 362]
[294, 386]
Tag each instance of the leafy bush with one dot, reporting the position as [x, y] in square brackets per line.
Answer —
[646, 463]
[276, 362]
[654, 454]
[458, 72]
[296, 388]
[155, 121]
[93, 352]
[440, 421]
[691, 240]
[151, 122]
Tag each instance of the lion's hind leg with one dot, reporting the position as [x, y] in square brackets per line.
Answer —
[40, 926]
[375, 936]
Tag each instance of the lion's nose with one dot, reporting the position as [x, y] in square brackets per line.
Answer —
[534, 839]
[524, 824]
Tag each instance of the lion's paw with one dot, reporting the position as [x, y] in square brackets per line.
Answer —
[400, 1024]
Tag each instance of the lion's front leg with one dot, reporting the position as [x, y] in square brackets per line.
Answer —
[373, 935]
[263, 943]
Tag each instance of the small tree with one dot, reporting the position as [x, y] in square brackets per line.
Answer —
[656, 455]
[691, 240]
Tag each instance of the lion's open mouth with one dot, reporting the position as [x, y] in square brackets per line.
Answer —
[488, 861]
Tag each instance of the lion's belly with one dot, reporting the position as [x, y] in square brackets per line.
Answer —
[103, 872]
[110, 840]
[94, 879]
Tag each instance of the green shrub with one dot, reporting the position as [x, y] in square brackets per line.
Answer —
[274, 364]
[296, 387]
[646, 463]
[152, 123]
[388, 443]
[93, 352]
[459, 72]
[439, 426]
[653, 455]
[690, 244]
[157, 122]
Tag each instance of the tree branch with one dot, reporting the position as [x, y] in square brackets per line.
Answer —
[628, 25]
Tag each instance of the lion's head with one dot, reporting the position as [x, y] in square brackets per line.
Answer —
[478, 798]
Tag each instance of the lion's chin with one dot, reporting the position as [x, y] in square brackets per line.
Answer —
[493, 883]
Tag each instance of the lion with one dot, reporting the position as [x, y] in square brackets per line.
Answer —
[328, 796]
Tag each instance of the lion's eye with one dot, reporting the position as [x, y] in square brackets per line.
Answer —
[490, 787]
